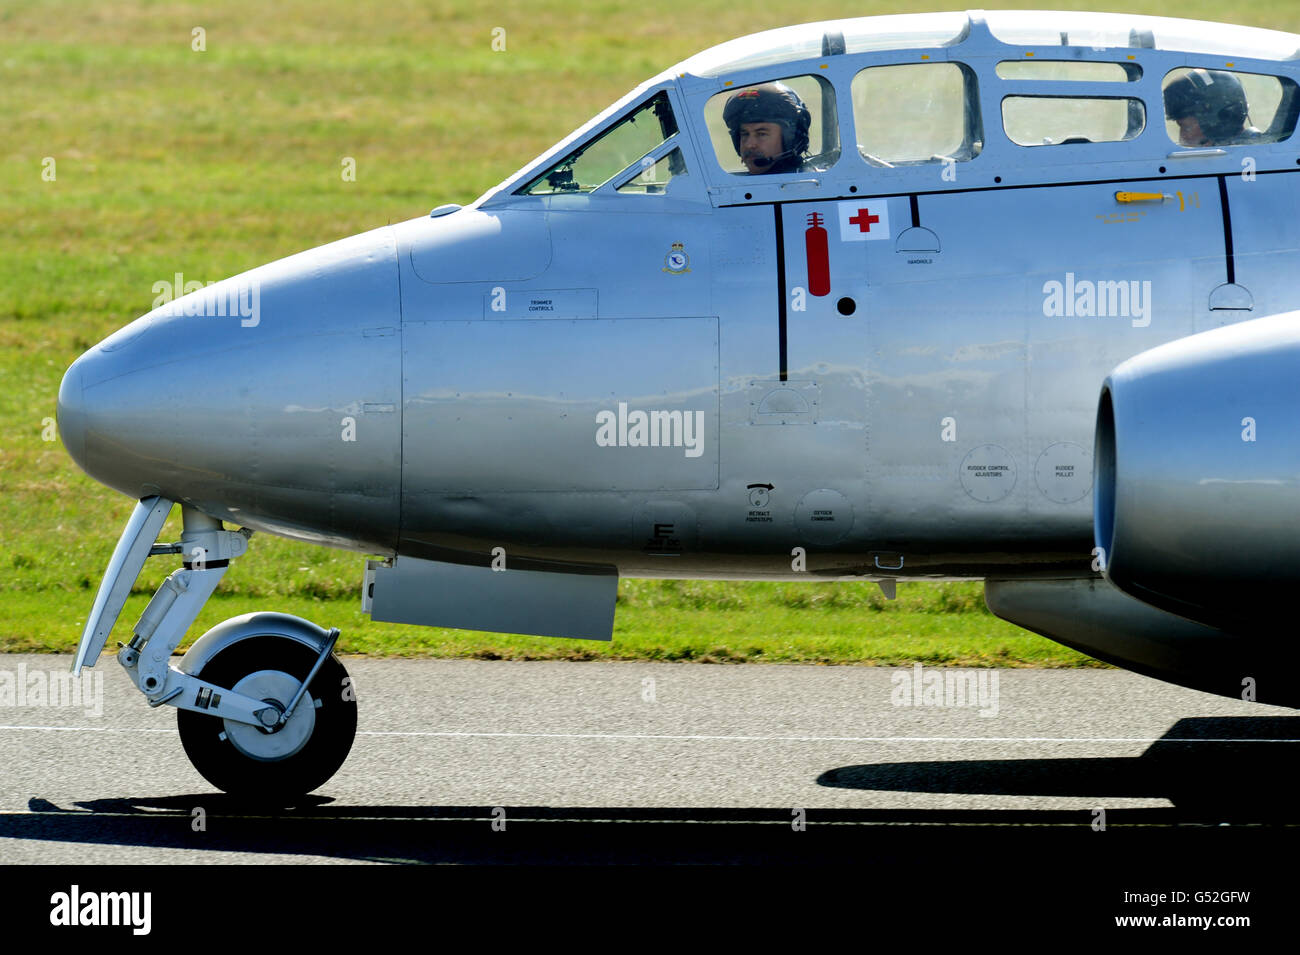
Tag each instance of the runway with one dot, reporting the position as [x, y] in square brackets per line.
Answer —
[475, 761]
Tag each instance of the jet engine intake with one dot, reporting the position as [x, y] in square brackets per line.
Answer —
[1197, 471]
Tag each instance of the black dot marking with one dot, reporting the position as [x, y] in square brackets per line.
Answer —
[855, 188]
[749, 195]
[1162, 168]
[997, 178]
[846, 306]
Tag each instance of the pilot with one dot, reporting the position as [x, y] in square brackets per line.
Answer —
[1209, 107]
[769, 128]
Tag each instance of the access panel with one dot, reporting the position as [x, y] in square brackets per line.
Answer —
[560, 405]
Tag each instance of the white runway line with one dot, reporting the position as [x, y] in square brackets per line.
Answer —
[89, 729]
[703, 738]
[844, 739]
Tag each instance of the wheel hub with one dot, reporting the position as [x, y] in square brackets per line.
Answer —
[277, 688]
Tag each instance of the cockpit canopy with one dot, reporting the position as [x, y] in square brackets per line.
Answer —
[912, 31]
[962, 86]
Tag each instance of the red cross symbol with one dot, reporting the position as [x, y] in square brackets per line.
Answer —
[863, 220]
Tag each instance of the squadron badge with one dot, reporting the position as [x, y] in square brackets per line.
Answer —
[677, 261]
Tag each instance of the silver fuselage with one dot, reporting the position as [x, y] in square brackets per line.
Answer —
[439, 388]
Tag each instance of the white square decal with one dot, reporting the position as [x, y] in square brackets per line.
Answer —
[860, 221]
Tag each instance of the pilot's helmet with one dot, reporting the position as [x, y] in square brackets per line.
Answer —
[770, 103]
[1213, 97]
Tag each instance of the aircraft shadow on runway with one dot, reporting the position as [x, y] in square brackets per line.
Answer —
[1210, 784]
[1220, 769]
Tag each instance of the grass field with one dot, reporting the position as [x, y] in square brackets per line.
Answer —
[208, 163]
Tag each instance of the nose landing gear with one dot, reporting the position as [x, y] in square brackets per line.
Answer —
[265, 708]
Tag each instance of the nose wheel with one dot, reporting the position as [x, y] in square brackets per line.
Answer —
[284, 758]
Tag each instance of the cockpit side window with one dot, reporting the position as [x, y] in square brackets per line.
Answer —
[598, 160]
[1067, 71]
[654, 175]
[781, 126]
[1223, 108]
[914, 113]
[1067, 120]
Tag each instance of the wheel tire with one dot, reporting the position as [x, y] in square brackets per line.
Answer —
[234, 772]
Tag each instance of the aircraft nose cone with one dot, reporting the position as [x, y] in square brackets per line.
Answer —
[99, 413]
[71, 414]
[285, 416]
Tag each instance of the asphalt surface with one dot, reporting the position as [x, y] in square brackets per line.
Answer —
[467, 761]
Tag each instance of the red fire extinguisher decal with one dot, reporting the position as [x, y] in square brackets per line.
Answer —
[819, 263]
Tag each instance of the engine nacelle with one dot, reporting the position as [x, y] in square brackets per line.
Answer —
[1197, 503]
[1095, 618]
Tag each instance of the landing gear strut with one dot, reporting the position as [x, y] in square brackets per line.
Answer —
[265, 708]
